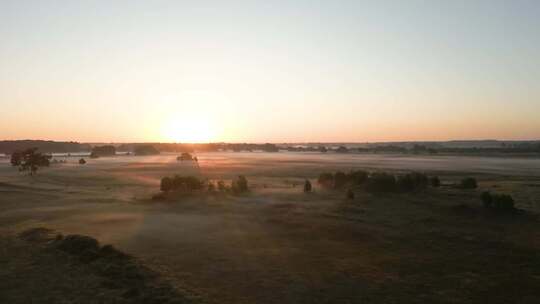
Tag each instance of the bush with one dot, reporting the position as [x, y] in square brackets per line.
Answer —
[340, 179]
[82, 161]
[240, 185]
[307, 186]
[166, 184]
[500, 202]
[503, 202]
[350, 194]
[435, 182]
[181, 183]
[381, 182]
[357, 177]
[211, 187]
[221, 186]
[412, 182]
[184, 156]
[326, 179]
[468, 183]
[487, 199]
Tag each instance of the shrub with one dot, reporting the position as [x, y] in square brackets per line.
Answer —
[211, 187]
[307, 186]
[326, 179]
[166, 184]
[412, 181]
[487, 199]
[240, 185]
[468, 183]
[221, 186]
[184, 156]
[381, 182]
[181, 183]
[500, 202]
[503, 202]
[435, 181]
[340, 179]
[82, 161]
[357, 177]
[350, 194]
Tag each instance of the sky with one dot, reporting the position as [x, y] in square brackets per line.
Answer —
[269, 71]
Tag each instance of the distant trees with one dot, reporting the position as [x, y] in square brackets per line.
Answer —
[29, 160]
[99, 151]
[142, 150]
[376, 181]
[269, 148]
[342, 149]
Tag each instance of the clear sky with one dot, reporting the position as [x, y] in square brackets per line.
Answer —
[269, 71]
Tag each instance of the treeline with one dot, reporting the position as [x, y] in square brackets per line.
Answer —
[45, 146]
[378, 181]
[205, 147]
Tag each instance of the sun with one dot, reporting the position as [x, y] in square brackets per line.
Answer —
[189, 130]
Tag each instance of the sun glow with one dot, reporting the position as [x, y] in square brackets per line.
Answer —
[190, 130]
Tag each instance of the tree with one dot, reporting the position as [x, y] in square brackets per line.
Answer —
[487, 199]
[242, 184]
[340, 179]
[30, 160]
[307, 186]
[350, 194]
[82, 161]
[435, 182]
[166, 184]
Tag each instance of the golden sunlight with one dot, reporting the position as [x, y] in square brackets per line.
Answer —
[190, 130]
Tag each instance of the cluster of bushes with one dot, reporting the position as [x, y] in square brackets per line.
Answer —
[188, 184]
[181, 183]
[340, 179]
[378, 181]
[500, 202]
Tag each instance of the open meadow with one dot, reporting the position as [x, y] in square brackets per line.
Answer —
[277, 244]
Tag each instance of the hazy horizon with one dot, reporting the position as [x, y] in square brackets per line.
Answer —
[280, 72]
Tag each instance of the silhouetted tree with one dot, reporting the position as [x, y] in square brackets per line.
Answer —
[350, 194]
[211, 187]
[435, 181]
[487, 199]
[381, 182]
[166, 184]
[221, 186]
[307, 186]
[30, 160]
[326, 179]
[340, 179]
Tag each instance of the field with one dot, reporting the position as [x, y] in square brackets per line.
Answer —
[277, 244]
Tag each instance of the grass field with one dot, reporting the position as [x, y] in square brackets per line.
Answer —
[277, 244]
